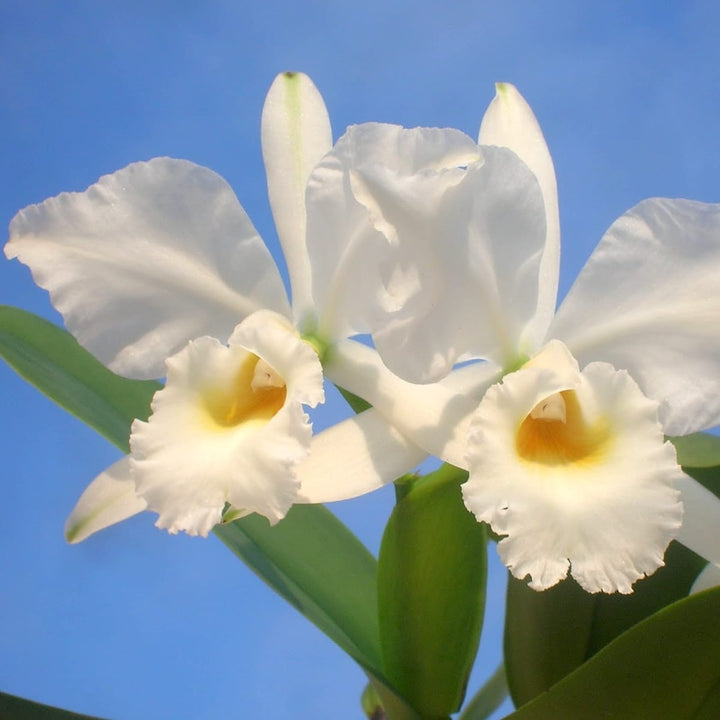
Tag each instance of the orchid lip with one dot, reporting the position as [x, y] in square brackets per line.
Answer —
[257, 393]
[555, 432]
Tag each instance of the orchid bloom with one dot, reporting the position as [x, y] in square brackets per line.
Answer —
[159, 272]
[562, 425]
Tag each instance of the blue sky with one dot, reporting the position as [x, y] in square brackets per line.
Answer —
[135, 623]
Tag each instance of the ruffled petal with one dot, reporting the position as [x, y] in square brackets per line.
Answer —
[146, 259]
[355, 457]
[435, 417]
[590, 489]
[228, 427]
[460, 278]
[509, 122]
[296, 133]
[108, 499]
[648, 301]
[356, 282]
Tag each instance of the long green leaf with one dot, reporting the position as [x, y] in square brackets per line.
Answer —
[431, 593]
[709, 477]
[16, 708]
[51, 359]
[665, 668]
[357, 404]
[697, 450]
[312, 560]
[548, 634]
[489, 698]
[394, 707]
[614, 614]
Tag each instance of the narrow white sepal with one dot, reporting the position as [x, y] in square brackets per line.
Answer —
[108, 499]
[146, 259]
[435, 417]
[700, 530]
[296, 133]
[510, 122]
[708, 578]
[355, 457]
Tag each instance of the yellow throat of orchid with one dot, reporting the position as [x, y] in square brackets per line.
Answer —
[555, 432]
[256, 394]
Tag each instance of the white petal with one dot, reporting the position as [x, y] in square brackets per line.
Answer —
[218, 435]
[355, 457]
[460, 276]
[708, 578]
[435, 417]
[648, 301]
[108, 499]
[146, 259]
[296, 133]
[594, 495]
[509, 122]
[700, 530]
[355, 285]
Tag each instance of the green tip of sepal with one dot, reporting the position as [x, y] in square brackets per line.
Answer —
[73, 534]
[371, 705]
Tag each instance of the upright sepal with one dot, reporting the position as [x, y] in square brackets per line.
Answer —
[296, 133]
[510, 122]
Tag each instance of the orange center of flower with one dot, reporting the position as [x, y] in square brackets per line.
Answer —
[556, 433]
[256, 394]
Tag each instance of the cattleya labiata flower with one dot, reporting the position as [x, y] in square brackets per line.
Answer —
[561, 424]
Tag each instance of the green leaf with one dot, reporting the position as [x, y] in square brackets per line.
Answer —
[356, 403]
[614, 614]
[394, 707]
[665, 668]
[708, 477]
[697, 450]
[431, 593]
[313, 561]
[50, 358]
[310, 558]
[548, 634]
[16, 708]
[489, 698]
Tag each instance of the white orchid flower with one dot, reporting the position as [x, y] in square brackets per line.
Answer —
[566, 455]
[158, 271]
